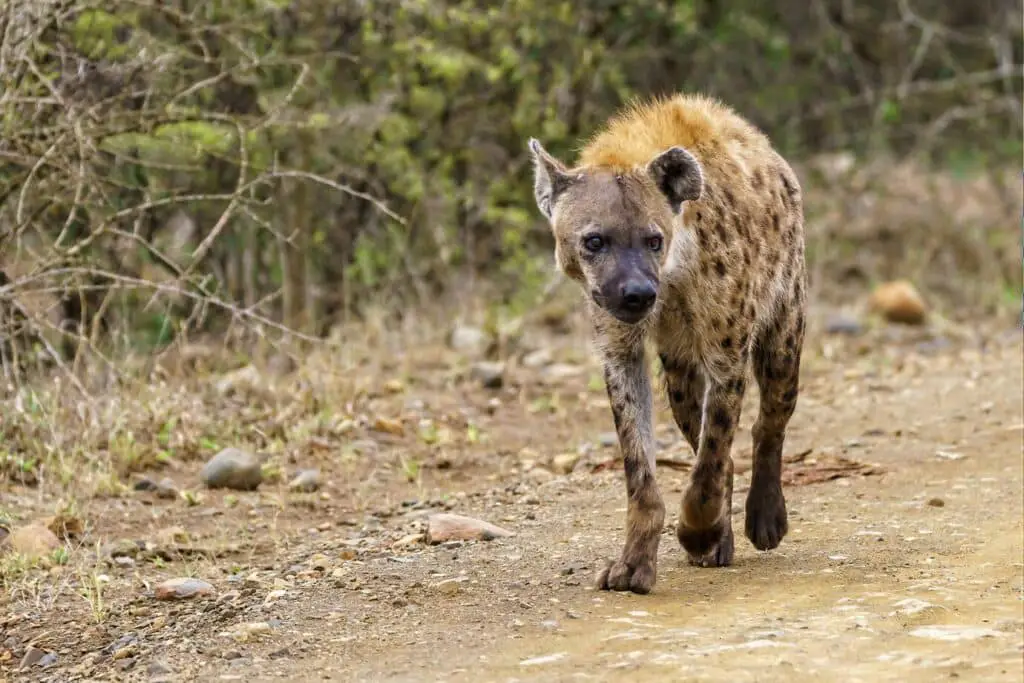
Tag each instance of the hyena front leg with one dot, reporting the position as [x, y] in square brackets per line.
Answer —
[705, 521]
[629, 391]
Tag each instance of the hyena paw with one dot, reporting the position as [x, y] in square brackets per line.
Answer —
[637, 576]
[766, 521]
[711, 547]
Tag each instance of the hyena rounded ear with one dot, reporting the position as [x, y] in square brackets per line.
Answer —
[678, 175]
[550, 178]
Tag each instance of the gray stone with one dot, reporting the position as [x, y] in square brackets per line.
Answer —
[490, 374]
[232, 468]
[468, 340]
[306, 481]
[843, 323]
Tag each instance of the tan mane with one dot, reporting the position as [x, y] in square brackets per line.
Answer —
[642, 129]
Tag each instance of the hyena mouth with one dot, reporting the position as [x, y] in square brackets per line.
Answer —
[623, 314]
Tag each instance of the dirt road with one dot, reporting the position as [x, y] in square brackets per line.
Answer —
[907, 567]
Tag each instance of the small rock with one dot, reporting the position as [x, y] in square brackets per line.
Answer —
[539, 475]
[33, 541]
[182, 588]
[166, 489]
[244, 632]
[468, 340]
[406, 541]
[445, 526]
[159, 668]
[33, 656]
[899, 302]
[232, 468]
[843, 323]
[144, 484]
[388, 426]
[48, 660]
[490, 374]
[449, 586]
[560, 371]
[537, 359]
[936, 502]
[125, 652]
[306, 481]
[565, 463]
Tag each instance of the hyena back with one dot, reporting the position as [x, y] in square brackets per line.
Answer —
[684, 228]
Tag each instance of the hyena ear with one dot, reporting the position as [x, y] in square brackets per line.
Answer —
[678, 175]
[550, 178]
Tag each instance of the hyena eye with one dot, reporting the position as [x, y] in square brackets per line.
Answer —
[593, 243]
[654, 243]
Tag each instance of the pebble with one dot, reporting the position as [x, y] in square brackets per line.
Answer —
[560, 371]
[33, 540]
[490, 374]
[471, 341]
[899, 302]
[565, 463]
[388, 426]
[936, 502]
[244, 632]
[843, 323]
[408, 540]
[232, 468]
[166, 489]
[449, 586]
[445, 526]
[158, 668]
[537, 359]
[182, 588]
[306, 481]
[33, 656]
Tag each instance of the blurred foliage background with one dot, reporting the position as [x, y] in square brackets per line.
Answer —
[172, 167]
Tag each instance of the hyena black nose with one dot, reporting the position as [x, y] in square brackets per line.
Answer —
[638, 296]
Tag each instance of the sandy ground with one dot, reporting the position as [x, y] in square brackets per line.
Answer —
[908, 569]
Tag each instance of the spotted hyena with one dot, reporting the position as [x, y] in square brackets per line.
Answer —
[684, 227]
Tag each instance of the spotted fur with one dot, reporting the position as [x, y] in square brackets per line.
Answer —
[689, 200]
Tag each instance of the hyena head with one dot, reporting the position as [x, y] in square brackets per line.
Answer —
[613, 230]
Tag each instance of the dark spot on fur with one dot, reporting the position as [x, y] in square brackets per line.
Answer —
[722, 419]
[711, 444]
[746, 257]
[790, 394]
[720, 229]
[691, 374]
[736, 386]
[758, 180]
[719, 267]
[700, 217]
[775, 222]
[628, 398]
[730, 200]
[790, 188]
[677, 396]
[726, 342]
